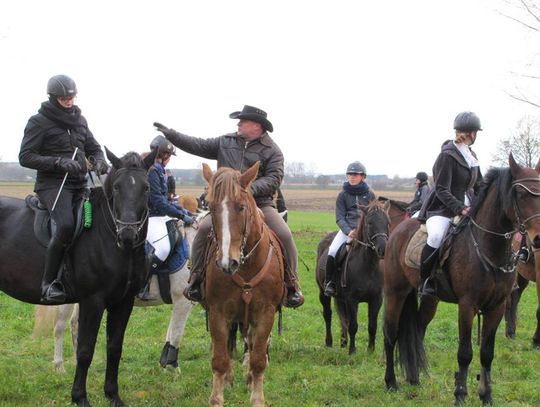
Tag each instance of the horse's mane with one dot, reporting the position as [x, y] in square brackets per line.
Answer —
[501, 179]
[225, 183]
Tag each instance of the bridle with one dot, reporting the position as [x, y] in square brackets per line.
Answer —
[522, 228]
[369, 243]
[120, 225]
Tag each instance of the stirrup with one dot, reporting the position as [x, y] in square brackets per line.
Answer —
[193, 292]
[294, 299]
[330, 289]
[427, 288]
[54, 293]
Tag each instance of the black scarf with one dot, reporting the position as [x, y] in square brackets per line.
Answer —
[359, 189]
[65, 118]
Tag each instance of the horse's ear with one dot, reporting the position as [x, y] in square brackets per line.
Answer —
[249, 175]
[537, 168]
[149, 160]
[207, 172]
[364, 208]
[514, 166]
[386, 206]
[115, 161]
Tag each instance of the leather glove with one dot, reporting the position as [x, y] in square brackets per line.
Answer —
[67, 165]
[165, 130]
[101, 167]
[188, 220]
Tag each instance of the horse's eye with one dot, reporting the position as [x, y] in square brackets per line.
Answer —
[116, 188]
[241, 208]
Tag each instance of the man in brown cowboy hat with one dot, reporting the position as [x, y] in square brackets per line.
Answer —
[240, 151]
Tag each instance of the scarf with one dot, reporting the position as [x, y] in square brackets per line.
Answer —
[467, 155]
[359, 189]
[65, 118]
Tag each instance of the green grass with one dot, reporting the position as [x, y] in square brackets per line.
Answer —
[302, 371]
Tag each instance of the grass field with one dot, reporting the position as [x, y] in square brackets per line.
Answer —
[302, 371]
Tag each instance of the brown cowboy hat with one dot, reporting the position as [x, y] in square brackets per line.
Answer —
[254, 114]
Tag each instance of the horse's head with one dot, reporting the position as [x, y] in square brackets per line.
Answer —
[526, 199]
[373, 225]
[126, 189]
[234, 213]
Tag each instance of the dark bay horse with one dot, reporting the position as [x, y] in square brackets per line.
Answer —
[397, 212]
[107, 263]
[529, 271]
[478, 276]
[361, 277]
[245, 282]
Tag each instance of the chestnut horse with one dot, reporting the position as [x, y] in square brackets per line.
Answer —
[245, 282]
[362, 275]
[478, 276]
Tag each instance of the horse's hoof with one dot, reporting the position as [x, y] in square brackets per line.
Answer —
[352, 351]
[391, 386]
[84, 403]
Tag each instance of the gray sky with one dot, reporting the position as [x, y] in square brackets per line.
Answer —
[378, 81]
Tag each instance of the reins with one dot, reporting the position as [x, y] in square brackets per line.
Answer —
[512, 263]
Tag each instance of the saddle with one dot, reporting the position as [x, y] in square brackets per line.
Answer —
[44, 227]
[176, 259]
[416, 244]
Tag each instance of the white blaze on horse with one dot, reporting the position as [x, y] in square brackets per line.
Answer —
[47, 316]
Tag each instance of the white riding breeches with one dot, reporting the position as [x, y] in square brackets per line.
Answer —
[158, 236]
[339, 239]
[436, 228]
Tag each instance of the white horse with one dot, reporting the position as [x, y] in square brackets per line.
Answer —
[45, 316]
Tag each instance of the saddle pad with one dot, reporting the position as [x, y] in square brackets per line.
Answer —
[415, 247]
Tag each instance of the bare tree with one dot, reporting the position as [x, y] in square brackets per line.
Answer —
[524, 144]
[527, 14]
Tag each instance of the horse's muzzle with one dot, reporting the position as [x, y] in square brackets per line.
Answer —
[231, 267]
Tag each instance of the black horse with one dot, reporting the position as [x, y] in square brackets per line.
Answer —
[361, 277]
[106, 263]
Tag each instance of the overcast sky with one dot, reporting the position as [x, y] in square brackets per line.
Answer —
[377, 81]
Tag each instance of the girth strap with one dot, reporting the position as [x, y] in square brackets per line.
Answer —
[247, 288]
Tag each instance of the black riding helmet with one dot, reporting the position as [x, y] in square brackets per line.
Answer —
[61, 85]
[422, 176]
[163, 145]
[356, 167]
[467, 122]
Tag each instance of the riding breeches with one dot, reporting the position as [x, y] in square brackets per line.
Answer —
[158, 236]
[338, 241]
[62, 215]
[436, 228]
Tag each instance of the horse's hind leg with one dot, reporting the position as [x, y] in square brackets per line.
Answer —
[466, 316]
[374, 307]
[64, 311]
[326, 303]
[491, 321]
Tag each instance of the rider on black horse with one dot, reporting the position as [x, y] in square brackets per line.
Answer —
[56, 142]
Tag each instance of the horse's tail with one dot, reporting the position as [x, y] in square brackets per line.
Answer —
[44, 320]
[412, 355]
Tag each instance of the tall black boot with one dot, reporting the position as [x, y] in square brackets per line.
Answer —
[199, 252]
[52, 290]
[428, 264]
[295, 298]
[329, 283]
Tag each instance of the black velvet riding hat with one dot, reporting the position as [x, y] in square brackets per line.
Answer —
[255, 114]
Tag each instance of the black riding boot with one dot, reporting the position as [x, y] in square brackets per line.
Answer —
[329, 283]
[428, 264]
[295, 298]
[193, 291]
[144, 294]
[52, 290]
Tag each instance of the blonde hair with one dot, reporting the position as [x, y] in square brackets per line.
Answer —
[461, 136]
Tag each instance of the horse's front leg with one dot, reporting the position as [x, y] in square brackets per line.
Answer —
[374, 307]
[326, 303]
[464, 356]
[221, 361]
[91, 312]
[490, 324]
[117, 320]
[352, 313]
[392, 312]
[258, 360]
[512, 302]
